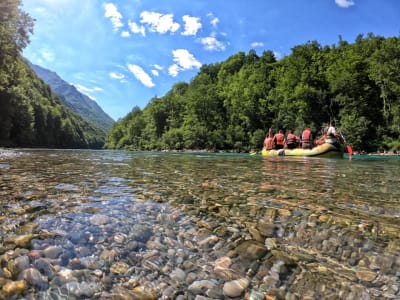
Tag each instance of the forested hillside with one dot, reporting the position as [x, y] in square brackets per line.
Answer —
[30, 114]
[76, 101]
[231, 104]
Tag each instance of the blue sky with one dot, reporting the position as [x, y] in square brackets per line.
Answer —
[121, 53]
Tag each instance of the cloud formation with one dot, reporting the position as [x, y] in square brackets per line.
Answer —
[184, 60]
[214, 20]
[111, 12]
[135, 28]
[158, 22]
[87, 90]
[211, 43]
[192, 25]
[344, 3]
[118, 76]
[141, 75]
[257, 44]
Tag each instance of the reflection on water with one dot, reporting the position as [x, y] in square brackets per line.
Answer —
[107, 210]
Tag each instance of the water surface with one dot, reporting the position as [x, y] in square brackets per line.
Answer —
[338, 218]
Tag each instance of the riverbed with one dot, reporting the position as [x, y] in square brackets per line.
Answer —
[83, 224]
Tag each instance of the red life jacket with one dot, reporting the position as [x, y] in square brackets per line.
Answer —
[291, 138]
[279, 139]
[306, 136]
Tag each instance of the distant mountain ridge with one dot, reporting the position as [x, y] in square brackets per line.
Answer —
[75, 100]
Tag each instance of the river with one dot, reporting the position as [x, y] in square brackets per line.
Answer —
[83, 224]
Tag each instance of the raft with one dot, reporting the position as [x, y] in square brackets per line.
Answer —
[324, 150]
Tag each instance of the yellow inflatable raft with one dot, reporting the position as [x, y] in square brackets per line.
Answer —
[324, 150]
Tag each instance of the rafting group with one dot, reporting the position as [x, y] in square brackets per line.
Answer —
[330, 144]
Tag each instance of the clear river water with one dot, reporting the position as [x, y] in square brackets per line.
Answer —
[83, 224]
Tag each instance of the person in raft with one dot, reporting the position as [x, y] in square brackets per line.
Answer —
[306, 139]
[332, 135]
[321, 139]
[269, 140]
[291, 140]
[279, 140]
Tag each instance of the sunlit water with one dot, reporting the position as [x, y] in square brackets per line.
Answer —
[61, 189]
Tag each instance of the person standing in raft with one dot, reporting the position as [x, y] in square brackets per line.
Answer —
[291, 140]
[306, 139]
[269, 140]
[279, 140]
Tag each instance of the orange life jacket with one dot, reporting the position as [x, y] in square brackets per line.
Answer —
[279, 139]
[291, 138]
[306, 136]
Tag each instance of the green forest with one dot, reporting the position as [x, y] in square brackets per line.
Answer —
[31, 115]
[231, 104]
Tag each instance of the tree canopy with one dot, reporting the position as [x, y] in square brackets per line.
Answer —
[232, 104]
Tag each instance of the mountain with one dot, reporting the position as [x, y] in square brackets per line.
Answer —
[31, 115]
[76, 101]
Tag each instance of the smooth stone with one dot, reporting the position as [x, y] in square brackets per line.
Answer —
[251, 250]
[83, 289]
[52, 252]
[13, 288]
[235, 288]
[33, 277]
[22, 262]
[178, 275]
[99, 219]
[23, 241]
[366, 275]
[200, 286]
[119, 268]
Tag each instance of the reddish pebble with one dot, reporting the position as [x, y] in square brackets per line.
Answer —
[34, 254]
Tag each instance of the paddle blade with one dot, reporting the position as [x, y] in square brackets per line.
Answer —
[349, 150]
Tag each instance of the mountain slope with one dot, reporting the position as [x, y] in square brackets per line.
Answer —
[76, 101]
[31, 115]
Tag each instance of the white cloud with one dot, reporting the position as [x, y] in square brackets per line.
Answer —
[125, 34]
[84, 89]
[184, 60]
[87, 90]
[211, 43]
[155, 72]
[173, 70]
[111, 11]
[257, 44]
[141, 75]
[158, 22]
[118, 76]
[214, 20]
[192, 25]
[158, 67]
[135, 28]
[344, 3]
